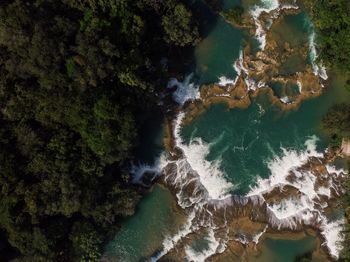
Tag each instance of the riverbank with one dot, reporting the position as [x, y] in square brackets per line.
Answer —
[239, 94]
[266, 71]
[255, 215]
[256, 167]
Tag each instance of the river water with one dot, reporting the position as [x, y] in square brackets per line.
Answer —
[236, 150]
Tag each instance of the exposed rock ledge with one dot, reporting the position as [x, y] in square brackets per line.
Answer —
[230, 217]
[345, 147]
[260, 71]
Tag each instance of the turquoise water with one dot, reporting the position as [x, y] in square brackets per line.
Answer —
[227, 4]
[216, 54]
[293, 29]
[243, 139]
[246, 139]
[281, 250]
[142, 234]
[289, 90]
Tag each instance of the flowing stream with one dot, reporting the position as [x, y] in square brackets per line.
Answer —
[253, 180]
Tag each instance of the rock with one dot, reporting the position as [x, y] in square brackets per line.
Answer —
[345, 147]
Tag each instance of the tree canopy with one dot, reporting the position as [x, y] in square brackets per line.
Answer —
[337, 120]
[332, 21]
[77, 78]
[336, 123]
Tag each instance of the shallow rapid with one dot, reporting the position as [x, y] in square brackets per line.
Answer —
[247, 174]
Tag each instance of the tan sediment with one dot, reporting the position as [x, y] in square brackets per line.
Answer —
[279, 193]
[345, 147]
[246, 225]
[237, 251]
[167, 138]
[233, 220]
[234, 97]
[240, 97]
[233, 252]
[265, 66]
[246, 24]
[318, 253]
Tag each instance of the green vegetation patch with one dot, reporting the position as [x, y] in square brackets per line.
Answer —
[78, 79]
[234, 15]
[332, 22]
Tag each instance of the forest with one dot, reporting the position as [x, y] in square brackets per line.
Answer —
[336, 122]
[332, 22]
[77, 81]
[78, 78]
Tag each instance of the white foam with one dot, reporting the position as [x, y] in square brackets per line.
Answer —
[285, 100]
[280, 167]
[242, 70]
[290, 6]
[267, 6]
[256, 11]
[335, 171]
[238, 65]
[210, 175]
[288, 213]
[139, 170]
[332, 232]
[242, 238]
[257, 237]
[223, 95]
[292, 211]
[185, 90]
[300, 86]
[261, 84]
[325, 191]
[302, 209]
[170, 242]
[291, 206]
[318, 70]
[208, 181]
[261, 110]
[251, 84]
[224, 81]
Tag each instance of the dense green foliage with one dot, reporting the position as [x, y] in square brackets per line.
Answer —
[234, 15]
[77, 80]
[307, 257]
[336, 123]
[332, 22]
[347, 85]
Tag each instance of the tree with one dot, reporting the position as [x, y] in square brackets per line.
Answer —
[332, 22]
[77, 80]
[337, 123]
[178, 28]
[337, 120]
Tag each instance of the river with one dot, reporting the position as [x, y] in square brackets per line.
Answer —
[253, 181]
